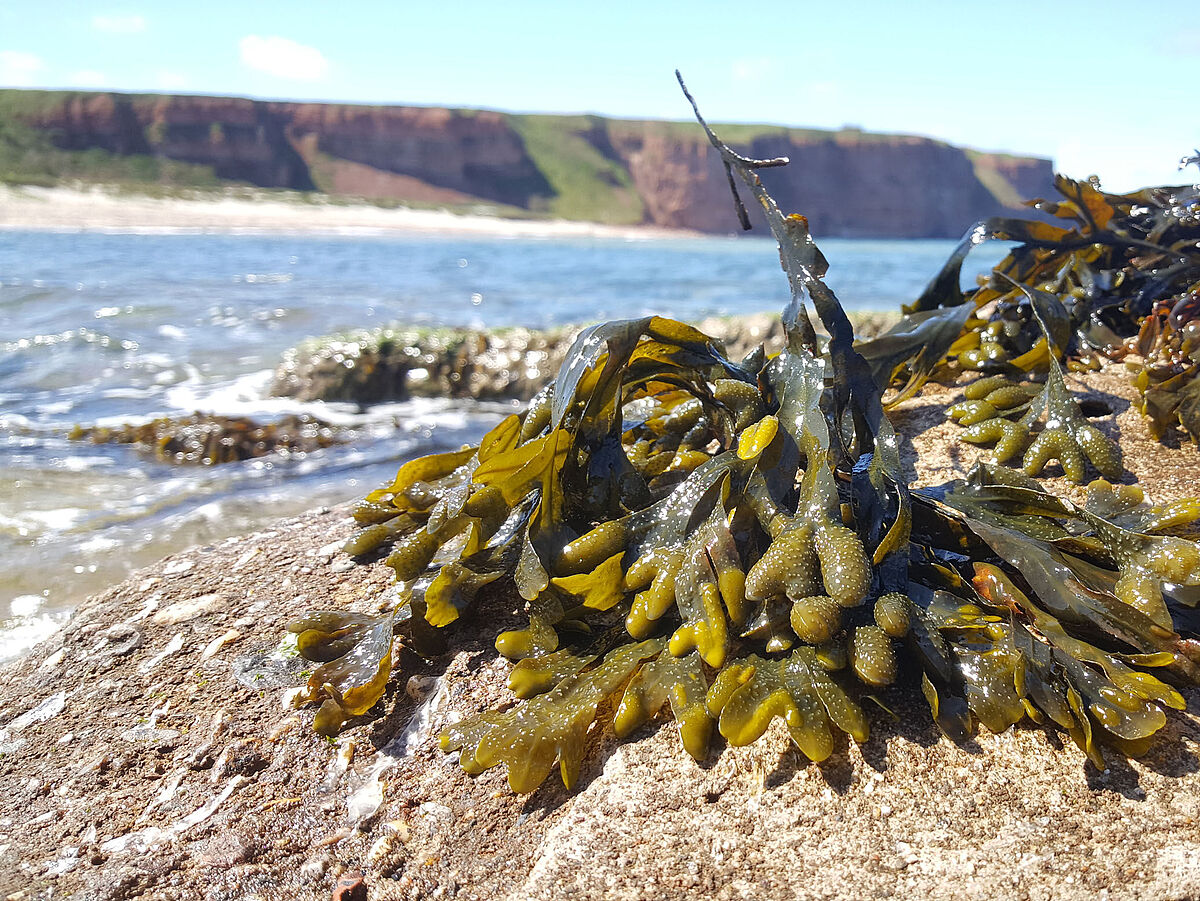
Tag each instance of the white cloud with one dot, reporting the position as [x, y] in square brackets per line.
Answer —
[283, 58]
[170, 81]
[119, 24]
[18, 69]
[89, 78]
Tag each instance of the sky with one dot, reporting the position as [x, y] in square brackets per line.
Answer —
[1105, 87]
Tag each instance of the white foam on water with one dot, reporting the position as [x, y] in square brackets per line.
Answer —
[25, 604]
[81, 464]
[172, 331]
[98, 544]
[58, 406]
[57, 520]
[23, 632]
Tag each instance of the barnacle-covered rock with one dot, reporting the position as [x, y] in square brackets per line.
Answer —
[209, 440]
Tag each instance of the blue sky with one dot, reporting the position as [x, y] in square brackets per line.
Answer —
[1101, 87]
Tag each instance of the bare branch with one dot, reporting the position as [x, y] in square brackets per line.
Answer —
[730, 157]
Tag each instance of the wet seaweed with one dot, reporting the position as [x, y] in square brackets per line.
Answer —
[734, 541]
[1120, 281]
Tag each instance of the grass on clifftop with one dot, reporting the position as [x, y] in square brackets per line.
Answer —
[27, 157]
[587, 184]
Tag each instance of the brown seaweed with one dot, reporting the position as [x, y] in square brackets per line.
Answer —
[209, 440]
[734, 541]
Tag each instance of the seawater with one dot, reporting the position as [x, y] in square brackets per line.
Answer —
[100, 328]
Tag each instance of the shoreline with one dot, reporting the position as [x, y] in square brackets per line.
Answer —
[106, 209]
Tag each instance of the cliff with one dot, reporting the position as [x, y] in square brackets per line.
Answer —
[849, 182]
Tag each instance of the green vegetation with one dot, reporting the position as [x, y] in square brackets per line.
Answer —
[991, 178]
[587, 185]
[28, 157]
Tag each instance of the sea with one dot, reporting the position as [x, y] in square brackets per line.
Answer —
[104, 328]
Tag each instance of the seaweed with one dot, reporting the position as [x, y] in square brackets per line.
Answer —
[1120, 281]
[1066, 435]
[734, 541]
[209, 440]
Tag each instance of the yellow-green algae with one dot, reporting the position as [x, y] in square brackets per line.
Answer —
[734, 541]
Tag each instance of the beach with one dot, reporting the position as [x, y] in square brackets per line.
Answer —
[255, 211]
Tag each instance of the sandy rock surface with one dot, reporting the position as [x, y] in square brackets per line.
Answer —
[148, 752]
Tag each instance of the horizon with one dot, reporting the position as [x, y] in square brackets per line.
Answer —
[1069, 83]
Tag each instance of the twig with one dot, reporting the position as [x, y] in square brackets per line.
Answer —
[728, 157]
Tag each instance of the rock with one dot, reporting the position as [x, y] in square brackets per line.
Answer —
[124, 639]
[209, 440]
[268, 669]
[350, 887]
[213, 647]
[183, 611]
[242, 758]
[174, 646]
[906, 814]
[178, 566]
[226, 850]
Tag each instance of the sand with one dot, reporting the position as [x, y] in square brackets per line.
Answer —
[238, 210]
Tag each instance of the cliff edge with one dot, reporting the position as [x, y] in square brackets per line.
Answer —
[621, 172]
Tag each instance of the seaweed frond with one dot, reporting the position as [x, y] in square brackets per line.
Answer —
[734, 541]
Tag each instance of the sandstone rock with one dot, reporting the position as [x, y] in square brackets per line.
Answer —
[908, 813]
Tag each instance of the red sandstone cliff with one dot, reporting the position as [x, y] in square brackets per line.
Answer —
[847, 183]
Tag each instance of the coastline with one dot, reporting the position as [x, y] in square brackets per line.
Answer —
[102, 208]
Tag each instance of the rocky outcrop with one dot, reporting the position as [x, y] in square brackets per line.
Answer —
[848, 182]
[147, 750]
[506, 364]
